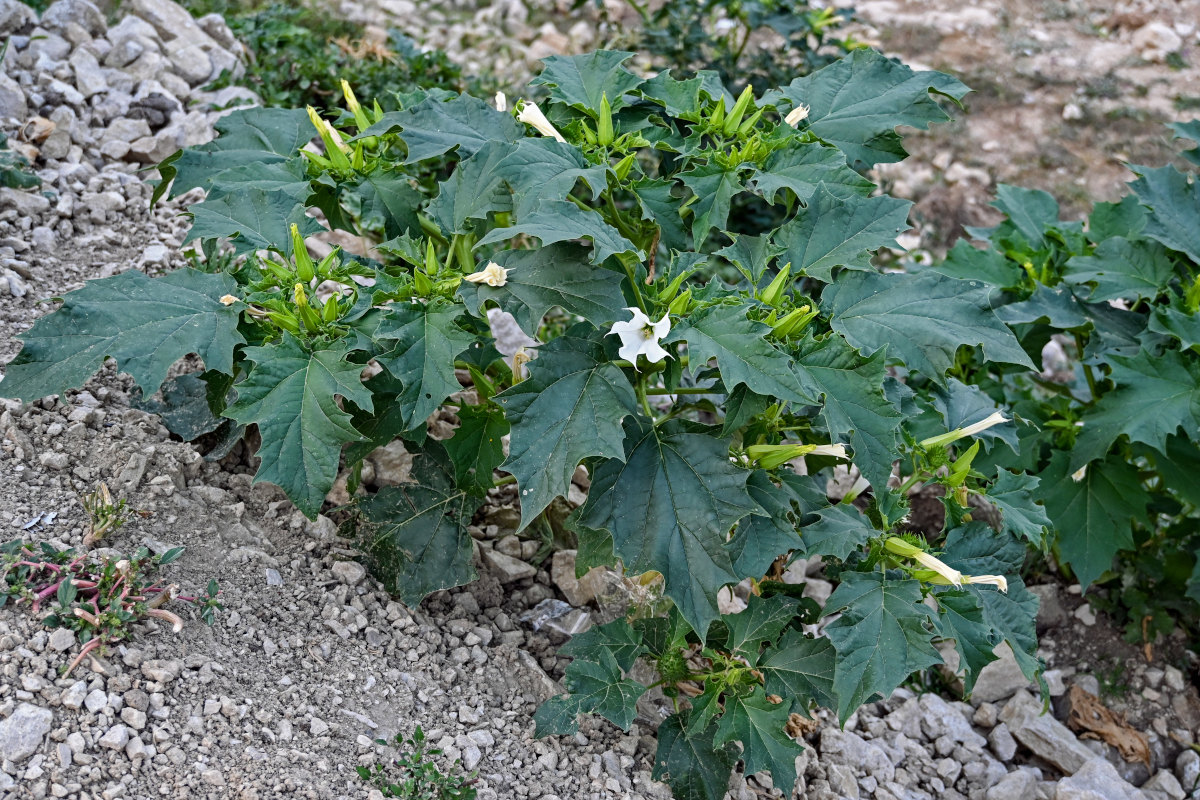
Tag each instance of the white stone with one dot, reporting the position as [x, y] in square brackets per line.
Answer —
[22, 733]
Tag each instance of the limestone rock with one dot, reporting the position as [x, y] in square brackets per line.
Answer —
[15, 16]
[999, 679]
[22, 733]
[507, 568]
[1043, 734]
[1097, 780]
[80, 12]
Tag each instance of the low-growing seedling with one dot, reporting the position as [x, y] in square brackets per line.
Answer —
[100, 599]
[104, 514]
[415, 775]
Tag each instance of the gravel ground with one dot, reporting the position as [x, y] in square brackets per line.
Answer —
[310, 661]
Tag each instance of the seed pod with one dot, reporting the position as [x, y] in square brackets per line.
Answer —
[330, 312]
[681, 303]
[749, 124]
[422, 283]
[624, 166]
[284, 321]
[774, 291]
[304, 263]
[734, 120]
[718, 115]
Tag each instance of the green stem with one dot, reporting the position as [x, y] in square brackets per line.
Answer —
[1087, 369]
[506, 480]
[683, 390]
[641, 395]
[451, 252]
[618, 218]
[908, 484]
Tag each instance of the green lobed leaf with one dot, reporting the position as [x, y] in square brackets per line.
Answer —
[923, 319]
[417, 540]
[714, 187]
[761, 538]
[695, 767]
[855, 410]
[255, 219]
[1015, 495]
[1031, 211]
[476, 447]
[659, 204]
[760, 726]
[433, 128]
[1153, 398]
[677, 97]
[881, 637]
[800, 668]
[581, 81]
[1174, 203]
[838, 231]
[247, 137]
[961, 405]
[1125, 218]
[1093, 515]
[289, 394]
[558, 716]
[183, 407]
[617, 638]
[1170, 321]
[743, 353]
[1122, 269]
[805, 167]
[569, 408]
[751, 254]
[669, 508]
[289, 177]
[599, 687]
[388, 202]
[761, 621]
[557, 275]
[425, 341]
[969, 263]
[1056, 307]
[837, 531]
[560, 221]
[1013, 615]
[977, 549]
[1188, 130]
[857, 102]
[960, 618]
[146, 324]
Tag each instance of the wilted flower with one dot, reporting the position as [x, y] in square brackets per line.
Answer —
[501, 102]
[640, 336]
[493, 275]
[797, 115]
[530, 114]
[519, 360]
[228, 300]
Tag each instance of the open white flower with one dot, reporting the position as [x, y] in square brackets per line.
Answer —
[493, 275]
[797, 115]
[501, 102]
[999, 581]
[530, 114]
[640, 337]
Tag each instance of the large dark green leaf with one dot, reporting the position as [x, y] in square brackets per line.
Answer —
[669, 508]
[881, 637]
[598, 687]
[761, 538]
[1122, 269]
[426, 343]
[743, 354]
[857, 102]
[961, 619]
[805, 166]
[416, 539]
[581, 81]
[761, 621]
[1015, 495]
[569, 408]
[255, 219]
[855, 409]
[388, 202]
[800, 668]
[1188, 130]
[1094, 514]
[977, 549]
[145, 324]
[560, 221]
[1031, 211]
[1012, 615]
[840, 232]
[970, 263]
[246, 137]
[183, 407]
[290, 395]
[476, 447]
[714, 187]
[692, 765]
[618, 638]
[760, 726]
[1174, 203]
[1153, 398]
[559, 275]
[923, 319]
[836, 531]
[432, 128]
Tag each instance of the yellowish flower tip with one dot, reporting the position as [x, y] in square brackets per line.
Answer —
[831, 450]
[519, 360]
[1079, 474]
[299, 296]
[999, 581]
[530, 114]
[493, 275]
[228, 300]
[501, 102]
[996, 418]
[797, 115]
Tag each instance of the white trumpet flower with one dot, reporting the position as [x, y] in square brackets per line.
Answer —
[797, 115]
[493, 275]
[640, 336]
[501, 102]
[530, 114]
[999, 581]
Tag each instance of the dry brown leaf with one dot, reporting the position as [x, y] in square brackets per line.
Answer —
[1096, 721]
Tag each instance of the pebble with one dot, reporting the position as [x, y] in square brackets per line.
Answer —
[22, 733]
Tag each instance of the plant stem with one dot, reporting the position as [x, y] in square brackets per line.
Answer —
[641, 395]
[908, 484]
[1087, 368]
[682, 390]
